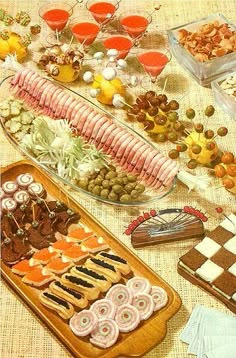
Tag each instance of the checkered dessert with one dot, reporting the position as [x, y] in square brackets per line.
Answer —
[211, 264]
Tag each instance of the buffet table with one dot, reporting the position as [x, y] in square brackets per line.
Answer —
[22, 333]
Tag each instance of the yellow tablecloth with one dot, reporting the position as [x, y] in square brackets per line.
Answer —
[22, 334]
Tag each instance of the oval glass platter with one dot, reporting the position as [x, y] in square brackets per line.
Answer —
[95, 183]
[137, 343]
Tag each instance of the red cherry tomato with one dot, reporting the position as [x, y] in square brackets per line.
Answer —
[153, 212]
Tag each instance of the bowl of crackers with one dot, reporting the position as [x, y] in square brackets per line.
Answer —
[224, 92]
[206, 48]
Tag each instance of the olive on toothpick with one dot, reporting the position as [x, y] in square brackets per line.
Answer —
[182, 147]
[227, 158]
[209, 134]
[161, 137]
[190, 113]
[210, 145]
[173, 154]
[198, 127]
[222, 131]
[209, 111]
[192, 164]
[174, 105]
[172, 136]
[196, 149]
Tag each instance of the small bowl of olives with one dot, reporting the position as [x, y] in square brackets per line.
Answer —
[113, 186]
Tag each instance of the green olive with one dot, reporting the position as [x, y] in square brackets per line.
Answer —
[172, 116]
[190, 113]
[104, 193]
[83, 183]
[125, 180]
[110, 175]
[113, 181]
[140, 188]
[103, 172]
[106, 184]
[120, 181]
[98, 180]
[91, 186]
[128, 188]
[118, 189]
[131, 178]
[134, 194]
[113, 196]
[96, 190]
[121, 175]
[209, 111]
[125, 198]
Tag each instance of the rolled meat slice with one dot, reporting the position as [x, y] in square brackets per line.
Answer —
[144, 304]
[105, 334]
[119, 295]
[138, 285]
[104, 308]
[159, 296]
[83, 323]
[127, 318]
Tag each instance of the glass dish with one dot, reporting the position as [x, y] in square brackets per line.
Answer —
[224, 100]
[203, 72]
[149, 196]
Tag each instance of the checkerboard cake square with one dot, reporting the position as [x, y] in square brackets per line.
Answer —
[232, 269]
[208, 247]
[209, 271]
[225, 284]
[224, 258]
[192, 260]
[229, 223]
[220, 235]
[231, 245]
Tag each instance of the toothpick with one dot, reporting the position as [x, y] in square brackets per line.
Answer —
[164, 88]
[71, 40]
[57, 37]
[33, 212]
[82, 45]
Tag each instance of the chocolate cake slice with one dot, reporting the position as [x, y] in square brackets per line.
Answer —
[192, 260]
[224, 258]
[220, 235]
[225, 284]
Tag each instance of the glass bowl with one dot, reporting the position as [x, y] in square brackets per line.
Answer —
[226, 101]
[203, 72]
[149, 196]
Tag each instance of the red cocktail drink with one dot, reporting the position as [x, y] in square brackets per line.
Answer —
[85, 32]
[135, 23]
[102, 11]
[153, 62]
[56, 19]
[121, 43]
[55, 14]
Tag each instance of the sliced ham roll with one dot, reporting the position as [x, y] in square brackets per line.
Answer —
[138, 284]
[104, 308]
[83, 323]
[159, 296]
[127, 317]
[119, 295]
[105, 334]
[144, 304]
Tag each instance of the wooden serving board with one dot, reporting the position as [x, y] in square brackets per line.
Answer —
[133, 344]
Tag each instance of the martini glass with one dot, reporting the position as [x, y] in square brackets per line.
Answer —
[154, 62]
[135, 23]
[103, 11]
[120, 41]
[84, 31]
[56, 15]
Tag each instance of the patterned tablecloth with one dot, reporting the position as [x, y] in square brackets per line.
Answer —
[22, 334]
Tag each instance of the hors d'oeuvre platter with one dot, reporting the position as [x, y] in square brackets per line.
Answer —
[82, 146]
[92, 292]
